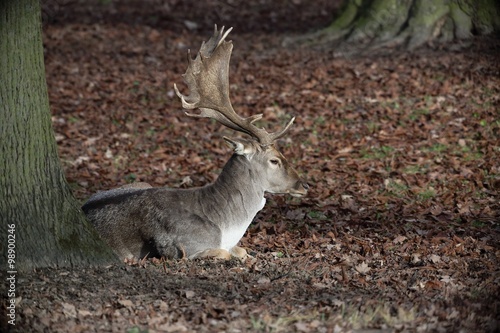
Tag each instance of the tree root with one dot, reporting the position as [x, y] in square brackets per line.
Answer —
[389, 25]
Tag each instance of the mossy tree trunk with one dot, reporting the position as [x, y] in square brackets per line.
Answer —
[36, 204]
[409, 24]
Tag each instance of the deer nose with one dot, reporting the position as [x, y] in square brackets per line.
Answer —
[302, 185]
[305, 186]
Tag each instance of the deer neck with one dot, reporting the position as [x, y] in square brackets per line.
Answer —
[235, 198]
[239, 183]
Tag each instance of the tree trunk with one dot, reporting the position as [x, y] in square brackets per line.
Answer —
[368, 25]
[41, 224]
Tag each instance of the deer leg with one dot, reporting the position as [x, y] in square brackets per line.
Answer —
[169, 249]
[125, 255]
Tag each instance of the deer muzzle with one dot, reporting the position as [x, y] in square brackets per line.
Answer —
[300, 189]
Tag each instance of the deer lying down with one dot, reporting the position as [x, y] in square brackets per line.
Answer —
[139, 220]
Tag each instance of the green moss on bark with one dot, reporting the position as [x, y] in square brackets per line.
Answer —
[427, 18]
[349, 13]
[375, 24]
[486, 16]
[381, 20]
[462, 22]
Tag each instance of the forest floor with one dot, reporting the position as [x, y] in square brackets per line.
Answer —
[400, 230]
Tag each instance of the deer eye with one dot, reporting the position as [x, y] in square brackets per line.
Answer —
[274, 161]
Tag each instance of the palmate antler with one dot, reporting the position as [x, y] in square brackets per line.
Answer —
[207, 78]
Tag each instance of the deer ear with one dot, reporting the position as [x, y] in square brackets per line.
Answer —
[240, 147]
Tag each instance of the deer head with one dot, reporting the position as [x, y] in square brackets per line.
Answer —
[207, 78]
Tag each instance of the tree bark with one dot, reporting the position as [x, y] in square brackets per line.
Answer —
[41, 224]
[368, 25]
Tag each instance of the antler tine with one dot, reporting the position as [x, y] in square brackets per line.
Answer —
[207, 77]
[275, 136]
[221, 31]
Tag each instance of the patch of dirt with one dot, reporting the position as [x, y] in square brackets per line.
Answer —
[400, 231]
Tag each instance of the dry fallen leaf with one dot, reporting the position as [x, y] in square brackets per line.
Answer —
[415, 258]
[172, 328]
[189, 294]
[69, 310]
[264, 280]
[434, 258]
[362, 268]
[399, 239]
[84, 313]
[126, 303]
[345, 150]
[302, 327]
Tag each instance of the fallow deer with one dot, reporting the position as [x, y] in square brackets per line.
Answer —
[139, 220]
